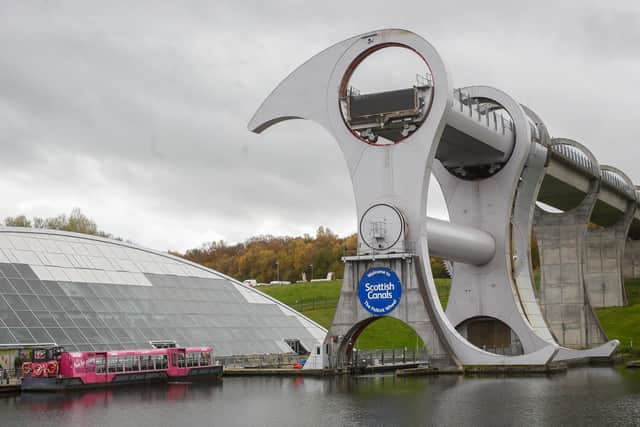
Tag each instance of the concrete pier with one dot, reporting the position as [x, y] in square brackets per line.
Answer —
[603, 262]
[351, 319]
[631, 259]
[563, 295]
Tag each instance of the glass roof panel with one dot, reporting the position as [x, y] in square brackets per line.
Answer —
[102, 295]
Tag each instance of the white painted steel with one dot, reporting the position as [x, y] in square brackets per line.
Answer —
[381, 227]
[395, 174]
[459, 243]
[490, 290]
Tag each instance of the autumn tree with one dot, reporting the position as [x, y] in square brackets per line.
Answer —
[262, 257]
[76, 222]
[18, 221]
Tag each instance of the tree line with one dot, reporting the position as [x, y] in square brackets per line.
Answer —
[76, 222]
[263, 258]
[268, 258]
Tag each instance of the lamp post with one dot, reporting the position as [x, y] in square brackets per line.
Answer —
[278, 271]
[311, 265]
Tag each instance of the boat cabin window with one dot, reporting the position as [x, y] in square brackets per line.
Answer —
[205, 358]
[43, 355]
[113, 364]
[160, 361]
[178, 360]
[39, 355]
[163, 344]
[130, 363]
[193, 359]
[101, 364]
[146, 363]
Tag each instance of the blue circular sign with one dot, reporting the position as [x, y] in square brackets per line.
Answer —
[379, 291]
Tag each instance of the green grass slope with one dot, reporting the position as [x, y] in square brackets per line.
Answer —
[318, 301]
[623, 323]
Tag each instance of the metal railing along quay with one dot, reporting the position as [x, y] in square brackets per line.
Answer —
[359, 359]
[303, 305]
[395, 357]
[266, 361]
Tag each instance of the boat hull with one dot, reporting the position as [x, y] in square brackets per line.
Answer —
[35, 384]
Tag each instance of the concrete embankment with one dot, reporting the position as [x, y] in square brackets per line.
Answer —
[11, 388]
[406, 371]
[246, 372]
[633, 364]
[514, 370]
[420, 371]
[551, 368]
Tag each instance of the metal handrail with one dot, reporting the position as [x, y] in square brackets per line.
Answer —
[617, 182]
[424, 80]
[389, 357]
[274, 360]
[501, 122]
[576, 158]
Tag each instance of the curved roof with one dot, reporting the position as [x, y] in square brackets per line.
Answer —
[90, 293]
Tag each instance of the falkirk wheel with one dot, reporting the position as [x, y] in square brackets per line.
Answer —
[494, 159]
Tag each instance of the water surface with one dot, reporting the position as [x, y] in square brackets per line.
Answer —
[584, 396]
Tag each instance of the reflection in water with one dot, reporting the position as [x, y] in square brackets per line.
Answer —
[100, 406]
[586, 396]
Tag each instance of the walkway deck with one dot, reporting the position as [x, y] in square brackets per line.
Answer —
[11, 388]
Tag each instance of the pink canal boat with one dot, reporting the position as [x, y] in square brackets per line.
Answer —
[55, 369]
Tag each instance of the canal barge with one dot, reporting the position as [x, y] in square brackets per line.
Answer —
[55, 369]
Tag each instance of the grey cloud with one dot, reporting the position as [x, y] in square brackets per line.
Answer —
[137, 111]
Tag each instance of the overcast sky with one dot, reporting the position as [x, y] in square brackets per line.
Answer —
[136, 112]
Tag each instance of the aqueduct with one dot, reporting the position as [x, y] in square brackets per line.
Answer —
[494, 160]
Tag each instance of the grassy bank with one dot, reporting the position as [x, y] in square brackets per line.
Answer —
[623, 323]
[318, 301]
